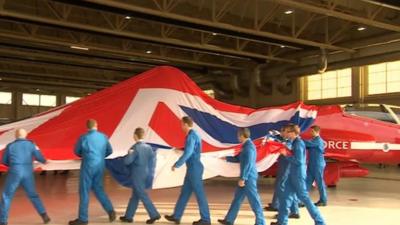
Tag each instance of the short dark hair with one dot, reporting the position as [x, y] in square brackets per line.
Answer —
[139, 132]
[91, 123]
[187, 120]
[292, 128]
[316, 128]
[244, 131]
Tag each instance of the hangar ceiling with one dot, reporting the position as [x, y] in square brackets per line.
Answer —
[88, 45]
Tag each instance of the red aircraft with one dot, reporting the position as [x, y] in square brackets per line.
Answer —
[356, 134]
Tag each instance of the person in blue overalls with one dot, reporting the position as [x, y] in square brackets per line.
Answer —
[93, 147]
[140, 160]
[194, 177]
[247, 184]
[18, 156]
[296, 180]
[316, 164]
[281, 179]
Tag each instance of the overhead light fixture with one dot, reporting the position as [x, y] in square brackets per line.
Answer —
[1, 78]
[37, 89]
[288, 12]
[148, 52]
[214, 34]
[282, 46]
[361, 28]
[128, 17]
[79, 48]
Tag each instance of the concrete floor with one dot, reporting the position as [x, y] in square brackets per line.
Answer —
[359, 201]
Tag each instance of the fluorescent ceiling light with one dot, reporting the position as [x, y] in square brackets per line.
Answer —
[288, 12]
[79, 48]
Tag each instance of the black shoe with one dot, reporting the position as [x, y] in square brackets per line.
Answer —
[301, 205]
[77, 222]
[319, 203]
[225, 222]
[45, 218]
[3, 223]
[125, 220]
[271, 209]
[152, 220]
[201, 222]
[274, 223]
[112, 216]
[171, 218]
[294, 216]
[275, 217]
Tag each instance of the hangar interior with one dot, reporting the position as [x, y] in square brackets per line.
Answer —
[254, 53]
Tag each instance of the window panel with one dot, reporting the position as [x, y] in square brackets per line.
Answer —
[331, 84]
[384, 78]
[393, 87]
[393, 66]
[343, 92]
[314, 85]
[377, 88]
[393, 76]
[377, 68]
[312, 95]
[329, 93]
[48, 100]
[5, 98]
[314, 78]
[377, 78]
[69, 99]
[30, 99]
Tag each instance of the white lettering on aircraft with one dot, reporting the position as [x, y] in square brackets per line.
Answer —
[337, 145]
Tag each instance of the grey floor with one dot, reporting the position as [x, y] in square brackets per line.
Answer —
[357, 201]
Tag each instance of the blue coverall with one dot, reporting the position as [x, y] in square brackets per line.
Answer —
[93, 147]
[248, 173]
[18, 156]
[281, 182]
[140, 161]
[194, 178]
[297, 184]
[281, 179]
[316, 166]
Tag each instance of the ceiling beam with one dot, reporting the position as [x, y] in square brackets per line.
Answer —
[69, 60]
[5, 72]
[5, 13]
[333, 13]
[166, 59]
[223, 27]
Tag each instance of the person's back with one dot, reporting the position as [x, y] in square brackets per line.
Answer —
[297, 164]
[248, 159]
[316, 151]
[194, 138]
[140, 160]
[143, 159]
[19, 156]
[93, 147]
[21, 153]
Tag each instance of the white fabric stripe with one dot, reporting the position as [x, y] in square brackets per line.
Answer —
[147, 100]
[28, 124]
[374, 146]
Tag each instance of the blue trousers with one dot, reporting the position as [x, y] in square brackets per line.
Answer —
[317, 175]
[92, 179]
[193, 183]
[280, 197]
[296, 185]
[249, 191]
[139, 194]
[13, 181]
